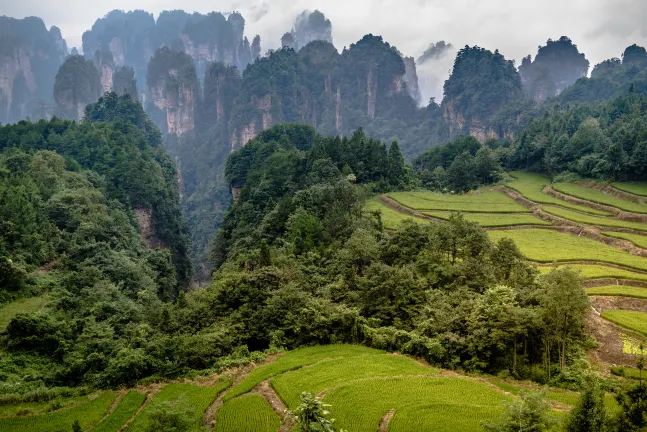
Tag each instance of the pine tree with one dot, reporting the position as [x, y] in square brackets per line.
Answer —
[397, 170]
[590, 413]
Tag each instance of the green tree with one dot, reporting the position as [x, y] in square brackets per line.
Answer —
[590, 413]
[313, 416]
[528, 413]
[461, 175]
[76, 427]
[397, 169]
[564, 305]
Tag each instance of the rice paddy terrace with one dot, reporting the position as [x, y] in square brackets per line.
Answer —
[598, 230]
[368, 390]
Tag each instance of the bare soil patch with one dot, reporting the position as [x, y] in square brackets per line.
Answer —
[267, 392]
[610, 343]
[602, 303]
[384, 423]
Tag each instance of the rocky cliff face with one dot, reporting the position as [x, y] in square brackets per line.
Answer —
[77, 85]
[30, 56]
[557, 65]
[133, 37]
[173, 92]
[411, 78]
[308, 27]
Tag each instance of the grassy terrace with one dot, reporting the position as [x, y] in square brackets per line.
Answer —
[10, 310]
[632, 320]
[332, 373]
[599, 197]
[594, 220]
[493, 219]
[637, 239]
[632, 188]
[449, 404]
[249, 413]
[618, 290]
[481, 201]
[390, 218]
[552, 246]
[531, 186]
[592, 271]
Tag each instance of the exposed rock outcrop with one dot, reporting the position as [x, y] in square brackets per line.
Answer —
[173, 91]
[30, 57]
[308, 27]
[411, 79]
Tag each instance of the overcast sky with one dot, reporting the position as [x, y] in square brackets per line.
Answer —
[600, 28]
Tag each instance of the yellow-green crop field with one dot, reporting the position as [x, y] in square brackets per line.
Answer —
[126, 409]
[599, 197]
[618, 290]
[593, 271]
[632, 320]
[637, 239]
[493, 219]
[594, 220]
[189, 397]
[632, 187]
[10, 310]
[88, 413]
[294, 360]
[532, 185]
[544, 245]
[420, 403]
[390, 218]
[481, 201]
[248, 413]
[331, 373]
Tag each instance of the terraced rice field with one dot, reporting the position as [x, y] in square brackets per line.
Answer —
[10, 310]
[481, 201]
[632, 320]
[637, 239]
[632, 188]
[390, 218]
[543, 245]
[126, 409]
[592, 271]
[618, 290]
[332, 373]
[294, 360]
[531, 186]
[420, 403]
[249, 413]
[493, 219]
[599, 197]
[88, 413]
[594, 220]
[188, 397]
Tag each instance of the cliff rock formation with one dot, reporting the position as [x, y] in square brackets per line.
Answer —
[173, 91]
[308, 27]
[557, 65]
[134, 37]
[76, 85]
[30, 56]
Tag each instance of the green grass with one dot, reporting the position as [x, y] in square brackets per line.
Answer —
[195, 399]
[592, 271]
[391, 218]
[637, 239]
[441, 404]
[87, 413]
[25, 408]
[330, 373]
[632, 320]
[618, 290]
[10, 310]
[249, 413]
[632, 188]
[480, 201]
[294, 360]
[493, 219]
[126, 409]
[599, 197]
[594, 220]
[543, 245]
[531, 186]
